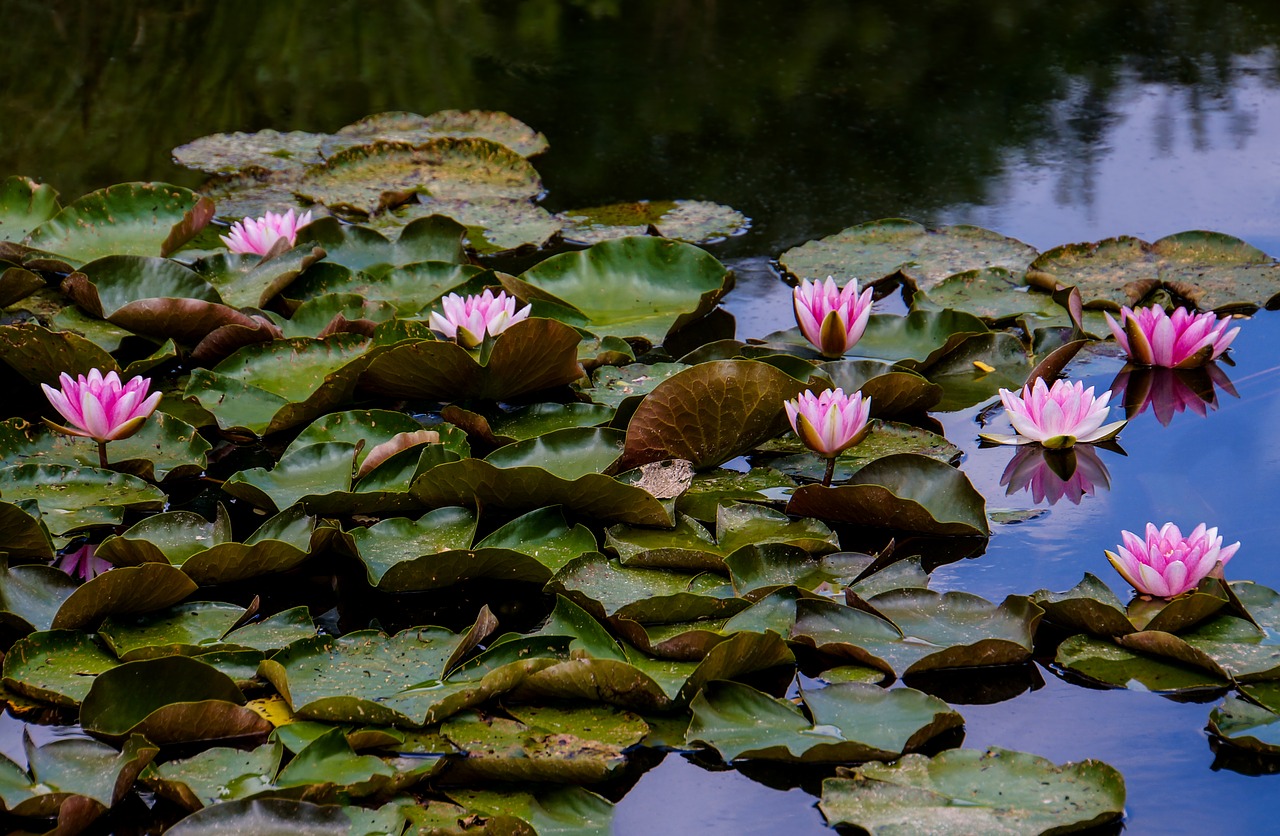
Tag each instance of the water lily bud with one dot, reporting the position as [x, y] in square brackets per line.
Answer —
[830, 318]
[1184, 340]
[831, 422]
[256, 236]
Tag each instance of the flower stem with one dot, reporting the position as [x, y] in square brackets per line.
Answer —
[831, 471]
[102, 454]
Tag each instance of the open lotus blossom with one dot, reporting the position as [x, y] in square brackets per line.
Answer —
[1184, 340]
[830, 318]
[256, 236]
[468, 319]
[829, 423]
[98, 406]
[82, 563]
[1057, 416]
[1166, 564]
[1054, 475]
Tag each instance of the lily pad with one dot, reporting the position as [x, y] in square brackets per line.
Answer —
[73, 498]
[399, 126]
[498, 427]
[1103, 661]
[245, 280]
[127, 219]
[265, 817]
[850, 722]
[269, 150]
[993, 294]
[631, 287]
[367, 178]
[710, 413]
[903, 492]
[1211, 270]
[56, 667]
[217, 775]
[30, 595]
[885, 438]
[174, 699]
[409, 289]
[251, 193]
[164, 447]
[24, 205]
[17, 283]
[893, 390]
[40, 355]
[494, 225]
[713, 488]
[967, 791]
[1252, 725]
[694, 221]
[184, 629]
[122, 591]
[365, 250]
[24, 538]
[529, 356]
[77, 768]
[607, 589]
[880, 249]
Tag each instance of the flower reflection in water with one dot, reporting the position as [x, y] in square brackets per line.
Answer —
[1052, 475]
[1171, 391]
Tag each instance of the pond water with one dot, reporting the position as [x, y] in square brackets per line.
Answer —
[1051, 123]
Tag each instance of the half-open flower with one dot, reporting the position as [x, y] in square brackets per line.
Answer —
[1184, 340]
[1057, 416]
[468, 319]
[830, 318]
[256, 236]
[99, 407]
[82, 563]
[1165, 563]
[830, 422]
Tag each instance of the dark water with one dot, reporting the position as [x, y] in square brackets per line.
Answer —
[1050, 122]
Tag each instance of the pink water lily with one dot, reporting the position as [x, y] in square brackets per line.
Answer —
[1166, 564]
[830, 318]
[82, 563]
[1184, 340]
[829, 423]
[468, 319]
[1057, 416]
[256, 236]
[98, 406]
[1054, 475]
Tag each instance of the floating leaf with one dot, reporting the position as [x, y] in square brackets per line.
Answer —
[164, 447]
[72, 498]
[70, 770]
[30, 595]
[41, 355]
[24, 539]
[1103, 661]
[124, 590]
[56, 667]
[967, 791]
[885, 438]
[1252, 726]
[893, 391]
[265, 817]
[711, 489]
[694, 221]
[994, 294]
[24, 205]
[493, 224]
[217, 775]
[268, 149]
[398, 126]
[850, 722]
[923, 257]
[632, 287]
[365, 250]
[499, 427]
[607, 589]
[409, 289]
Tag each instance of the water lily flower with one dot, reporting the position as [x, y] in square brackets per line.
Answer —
[1053, 475]
[100, 407]
[1184, 340]
[1057, 416]
[1166, 564]
[468, 319]
[83, 563]
[1168, 392]
[829, 423]
[256, 236]
[830, 318]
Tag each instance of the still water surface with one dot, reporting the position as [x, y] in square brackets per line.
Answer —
[1052, 123]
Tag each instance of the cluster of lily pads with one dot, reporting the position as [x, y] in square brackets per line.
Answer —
[549, 543]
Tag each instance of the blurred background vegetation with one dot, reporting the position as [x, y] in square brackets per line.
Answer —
[805, 116]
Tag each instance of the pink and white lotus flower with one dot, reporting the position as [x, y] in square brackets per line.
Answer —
[98, 406]
[1057, 416]
[256, 236]
[830, 318]
[468, 319]
[1184, 340]
[1166, 564]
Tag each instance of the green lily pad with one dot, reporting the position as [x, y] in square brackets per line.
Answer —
[66, 770]
[1211, 270]
[993, 294]
[967, 791]
[1108, 663]
[184, 629]
[694, 221]
[399, 126]
[1091, 607]
[56, 667]
[572, 745]
[560, 468]
[252, 193]
[979, 368]
[122, 591]
[24, 538]
[713, 488]
[41, 355]
[265, 388]
[1253, 726]
[174, 699]
[631, 287]
[367, 178]
[409, 289]
[565, 811]
[30, 595]
[529, 356]
[885, 438]
[710, 413]
[360, 249]
[904, 492]
[494, 225]
[72, 498]
[217, 775]
[923, 257]
[607, 589]
[17, 283]
[24, 205]
[245, 280]
[850, 722]
[498, 427]
[328, 768]
[269, 150]
[164, 447]
[126, 219]
[265, 817]
[893, 391]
